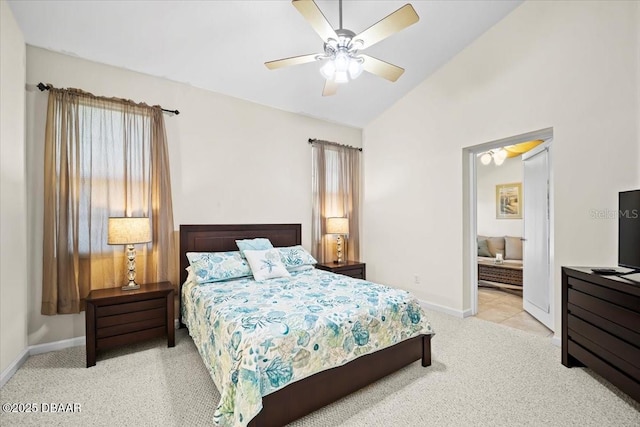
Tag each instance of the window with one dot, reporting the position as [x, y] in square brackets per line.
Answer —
[103, 157]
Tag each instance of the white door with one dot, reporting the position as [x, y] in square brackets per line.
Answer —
[537, 293]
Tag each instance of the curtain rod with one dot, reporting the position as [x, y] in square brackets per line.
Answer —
[44, 87]
[312, 140]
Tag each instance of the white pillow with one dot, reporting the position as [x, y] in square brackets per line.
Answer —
[266, 264]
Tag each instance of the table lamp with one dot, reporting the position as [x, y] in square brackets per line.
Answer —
[129, 231]
[339, 226]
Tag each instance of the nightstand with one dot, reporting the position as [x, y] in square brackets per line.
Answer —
[355, 269]
[115, 317]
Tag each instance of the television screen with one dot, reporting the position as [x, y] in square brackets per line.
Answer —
[629, 229]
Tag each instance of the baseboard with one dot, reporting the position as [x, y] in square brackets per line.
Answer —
[447, 310]
[14, 366]
[56, 345]
[467, 313]
[556, 340]
[44, 348]
[38, 349]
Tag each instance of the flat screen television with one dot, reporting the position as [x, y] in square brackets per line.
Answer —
[629, 229]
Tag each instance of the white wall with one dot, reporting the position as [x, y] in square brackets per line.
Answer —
[232, 161]
[572, 66]
[488, 176]
[13, 222]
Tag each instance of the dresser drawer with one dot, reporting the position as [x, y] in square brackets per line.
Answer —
[136, 316]
[617, 352]
[615, 313]
[155, 318]
[110, 310]
[622, 299]
[131, 337]
[606, 370]
[628, 335]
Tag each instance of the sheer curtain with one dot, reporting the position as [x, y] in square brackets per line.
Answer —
[336, 193]
[103, 157]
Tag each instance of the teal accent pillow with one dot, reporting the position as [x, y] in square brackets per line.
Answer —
[483, 248]
[295, 257]
[259, 244]
[217, 266]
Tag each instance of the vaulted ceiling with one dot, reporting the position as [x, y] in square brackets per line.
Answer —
[222, 45]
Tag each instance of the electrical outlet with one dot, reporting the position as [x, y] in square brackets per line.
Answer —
[416, 279]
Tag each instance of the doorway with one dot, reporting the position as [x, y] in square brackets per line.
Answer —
[533, 293]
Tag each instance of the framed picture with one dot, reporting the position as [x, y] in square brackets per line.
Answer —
[509, 201]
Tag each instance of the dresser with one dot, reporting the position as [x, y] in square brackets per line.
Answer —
[355, 269]
[601, 326]
[115, 317]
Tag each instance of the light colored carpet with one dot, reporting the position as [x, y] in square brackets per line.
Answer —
[482, 374]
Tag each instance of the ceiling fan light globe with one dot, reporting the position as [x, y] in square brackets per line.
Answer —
[485, 159]
[355, 68]
[341, 77]
[328, 70]
[501, 154]
[498, 160]
[342, 61]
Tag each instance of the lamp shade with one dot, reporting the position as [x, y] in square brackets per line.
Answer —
[337, 225]
[128, 231]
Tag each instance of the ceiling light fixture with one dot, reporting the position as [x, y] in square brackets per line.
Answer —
[342, 60]
[342, 63]
[498, 156]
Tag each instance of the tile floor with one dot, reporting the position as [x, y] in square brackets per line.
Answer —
[505, 307]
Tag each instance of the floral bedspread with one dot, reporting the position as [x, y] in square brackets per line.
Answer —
[256, 338]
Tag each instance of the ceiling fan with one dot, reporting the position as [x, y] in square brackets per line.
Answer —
[341, 57]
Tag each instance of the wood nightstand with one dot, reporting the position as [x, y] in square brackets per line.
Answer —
[355, 269]
[115, 317]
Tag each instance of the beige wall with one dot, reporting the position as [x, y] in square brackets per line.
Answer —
[488, 176]
[13, 223]
[572, 66]
[232, 161]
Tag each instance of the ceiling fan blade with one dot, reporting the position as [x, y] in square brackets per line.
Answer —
[391, 24]
[294, 60]
[314, 16]
[380, 68]
[330, 88]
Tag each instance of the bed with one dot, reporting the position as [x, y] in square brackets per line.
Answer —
[300, 397]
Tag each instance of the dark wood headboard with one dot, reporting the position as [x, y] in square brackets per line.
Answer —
[221, 238]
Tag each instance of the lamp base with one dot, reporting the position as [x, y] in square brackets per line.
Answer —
[339, 250]
[131, 264]
[131, 286]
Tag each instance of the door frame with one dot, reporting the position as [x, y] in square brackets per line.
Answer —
[470, 206]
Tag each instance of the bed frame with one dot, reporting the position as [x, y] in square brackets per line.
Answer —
[307, 395]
